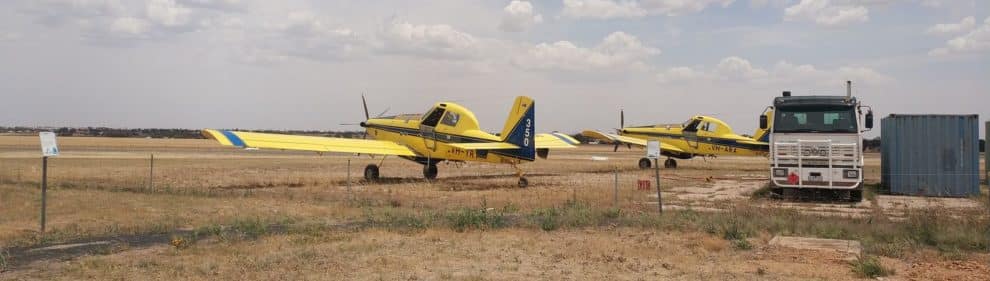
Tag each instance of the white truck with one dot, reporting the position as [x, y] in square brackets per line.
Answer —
[816, 146]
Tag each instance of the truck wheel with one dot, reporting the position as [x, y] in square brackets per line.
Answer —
[645, 163]
[856, 196]
[670, 164]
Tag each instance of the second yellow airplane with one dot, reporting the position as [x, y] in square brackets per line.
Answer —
[447, 132]
[698, 136]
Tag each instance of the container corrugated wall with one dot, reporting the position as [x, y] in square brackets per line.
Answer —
[931, 155]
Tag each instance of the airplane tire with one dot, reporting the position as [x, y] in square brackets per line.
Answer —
[645, 163]
[430, 171]
[523, 182]
[371, 172]
[670, 164]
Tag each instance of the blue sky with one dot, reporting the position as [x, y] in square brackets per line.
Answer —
[304, 64]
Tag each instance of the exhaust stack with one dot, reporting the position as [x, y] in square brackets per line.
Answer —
[849, 90]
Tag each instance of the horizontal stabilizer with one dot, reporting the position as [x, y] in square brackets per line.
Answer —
[484, 146]
[556, 141]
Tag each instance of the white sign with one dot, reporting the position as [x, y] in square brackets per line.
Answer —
[653, 149]
[48, 146]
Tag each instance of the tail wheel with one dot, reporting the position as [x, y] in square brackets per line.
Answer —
[645, 163]
[670, 164]
[430, 171]
[523, 182]
[371, 172]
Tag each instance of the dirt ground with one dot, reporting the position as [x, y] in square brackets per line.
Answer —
[105, 188]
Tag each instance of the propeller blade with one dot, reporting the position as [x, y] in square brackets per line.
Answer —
[365, 103]
[383, 112]
[622, 118]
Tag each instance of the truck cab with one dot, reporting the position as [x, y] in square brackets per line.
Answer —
[816, 146]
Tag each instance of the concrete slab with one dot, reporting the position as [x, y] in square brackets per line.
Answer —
[70, 246]
[849, 248]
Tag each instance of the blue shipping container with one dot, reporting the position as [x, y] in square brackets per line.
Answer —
[931, 155]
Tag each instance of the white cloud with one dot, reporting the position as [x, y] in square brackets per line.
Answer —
[129, 26]
[113, 22]
[618, 51]
[826, 13]
[682, 74]
[975, 41]
[602, 9]
[966, 24]
[736, 67]
[303, 34]
[168, 13]
[739, 70]
[519, 16]
[438, 41]
[613, 9]
[680, 7]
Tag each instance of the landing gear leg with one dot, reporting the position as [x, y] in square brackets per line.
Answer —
[670, 163]
[523, 182]
[371, 172]
[645, 163]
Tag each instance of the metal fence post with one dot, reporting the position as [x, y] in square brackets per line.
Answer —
[615, 194]
[151, 174]
[44, 190]
[656, 165]
[350, 196]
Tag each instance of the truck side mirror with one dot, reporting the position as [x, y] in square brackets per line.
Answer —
[869, 120]
[763, 122]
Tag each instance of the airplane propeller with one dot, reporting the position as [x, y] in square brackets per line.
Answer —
[622, 124]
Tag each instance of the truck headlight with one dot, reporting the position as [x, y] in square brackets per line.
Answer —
[780, 172]
[850, 174]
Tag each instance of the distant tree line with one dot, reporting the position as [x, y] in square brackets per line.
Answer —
[157, 133]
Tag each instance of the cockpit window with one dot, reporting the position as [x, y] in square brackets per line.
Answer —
[691, 125]
[709, 127]
[433, 118]
[451, 119]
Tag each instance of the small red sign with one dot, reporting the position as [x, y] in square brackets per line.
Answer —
[643, 184]
[793, 178]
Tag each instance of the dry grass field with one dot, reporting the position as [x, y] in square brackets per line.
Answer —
[208, 212]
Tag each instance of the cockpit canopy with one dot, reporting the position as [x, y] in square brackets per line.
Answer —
[449, 116]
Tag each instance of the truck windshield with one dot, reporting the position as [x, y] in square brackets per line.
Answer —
[815, 120]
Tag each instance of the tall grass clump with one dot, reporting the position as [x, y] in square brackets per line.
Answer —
[870, 267]
[484, 219]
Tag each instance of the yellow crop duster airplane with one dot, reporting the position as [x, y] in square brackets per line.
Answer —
[698, 136]
[447, 132]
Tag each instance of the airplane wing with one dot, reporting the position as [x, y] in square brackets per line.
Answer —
[614, 138]
[555, 140]
[307, 143]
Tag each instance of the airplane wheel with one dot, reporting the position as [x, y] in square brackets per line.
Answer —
[371, 172]
[670, 164]
[645, 163]
[523, 182]
[430, 171]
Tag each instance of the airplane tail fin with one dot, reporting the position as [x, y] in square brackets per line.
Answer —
[520, 129]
